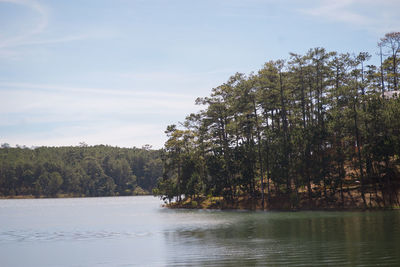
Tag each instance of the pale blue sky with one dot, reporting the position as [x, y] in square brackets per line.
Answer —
[118, 72]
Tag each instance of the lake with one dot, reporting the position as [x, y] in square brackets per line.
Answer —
[137, 231]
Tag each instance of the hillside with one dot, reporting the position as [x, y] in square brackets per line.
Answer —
[78, 171]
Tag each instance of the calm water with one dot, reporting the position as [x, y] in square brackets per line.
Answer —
[136, 231]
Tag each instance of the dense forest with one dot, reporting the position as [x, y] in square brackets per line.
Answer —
[318, 130]
[78, 171]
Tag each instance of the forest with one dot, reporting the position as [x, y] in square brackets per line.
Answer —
[78, 171]
[319, 130]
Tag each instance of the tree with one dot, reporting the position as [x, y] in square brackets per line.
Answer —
[313, 127]
[391, 42]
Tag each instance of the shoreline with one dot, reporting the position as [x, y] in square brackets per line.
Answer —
[217, 203]
[347, 209]
[64, 196]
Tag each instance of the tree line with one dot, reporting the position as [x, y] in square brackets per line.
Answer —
[316, 130]
[78, 171]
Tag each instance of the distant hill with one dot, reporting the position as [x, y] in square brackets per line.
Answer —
[78, 171]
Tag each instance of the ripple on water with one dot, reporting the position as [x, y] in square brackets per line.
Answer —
[35, 236]
[139, 233]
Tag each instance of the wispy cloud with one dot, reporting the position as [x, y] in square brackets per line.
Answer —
[338, 11]
[34, 30]
[64, 39]
[62, 115]
[43, 103]
[191, 84]
[40, 10]
[115, 134]
[376, 16]
[93, 90]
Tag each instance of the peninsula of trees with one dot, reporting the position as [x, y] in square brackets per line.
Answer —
[320, 130]
[78, 171]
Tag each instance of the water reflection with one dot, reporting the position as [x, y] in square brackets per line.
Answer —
[136, 231]
[290, 239]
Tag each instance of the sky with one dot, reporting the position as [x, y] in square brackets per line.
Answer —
[117, 72]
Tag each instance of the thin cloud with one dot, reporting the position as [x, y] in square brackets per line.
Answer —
[36, 29]
[61, 115]
[64, 39]
[91, 90]
[183, 83]
[32, 35]
[71, 104]
[32, 104]
[368, 17]
[115, 134]
[338, 11]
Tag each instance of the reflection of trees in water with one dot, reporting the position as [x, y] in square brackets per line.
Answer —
[311, 238]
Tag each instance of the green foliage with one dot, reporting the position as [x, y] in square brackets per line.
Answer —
[78, 171]
[313, 125]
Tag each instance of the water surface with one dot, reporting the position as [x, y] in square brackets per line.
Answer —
[136, 231]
